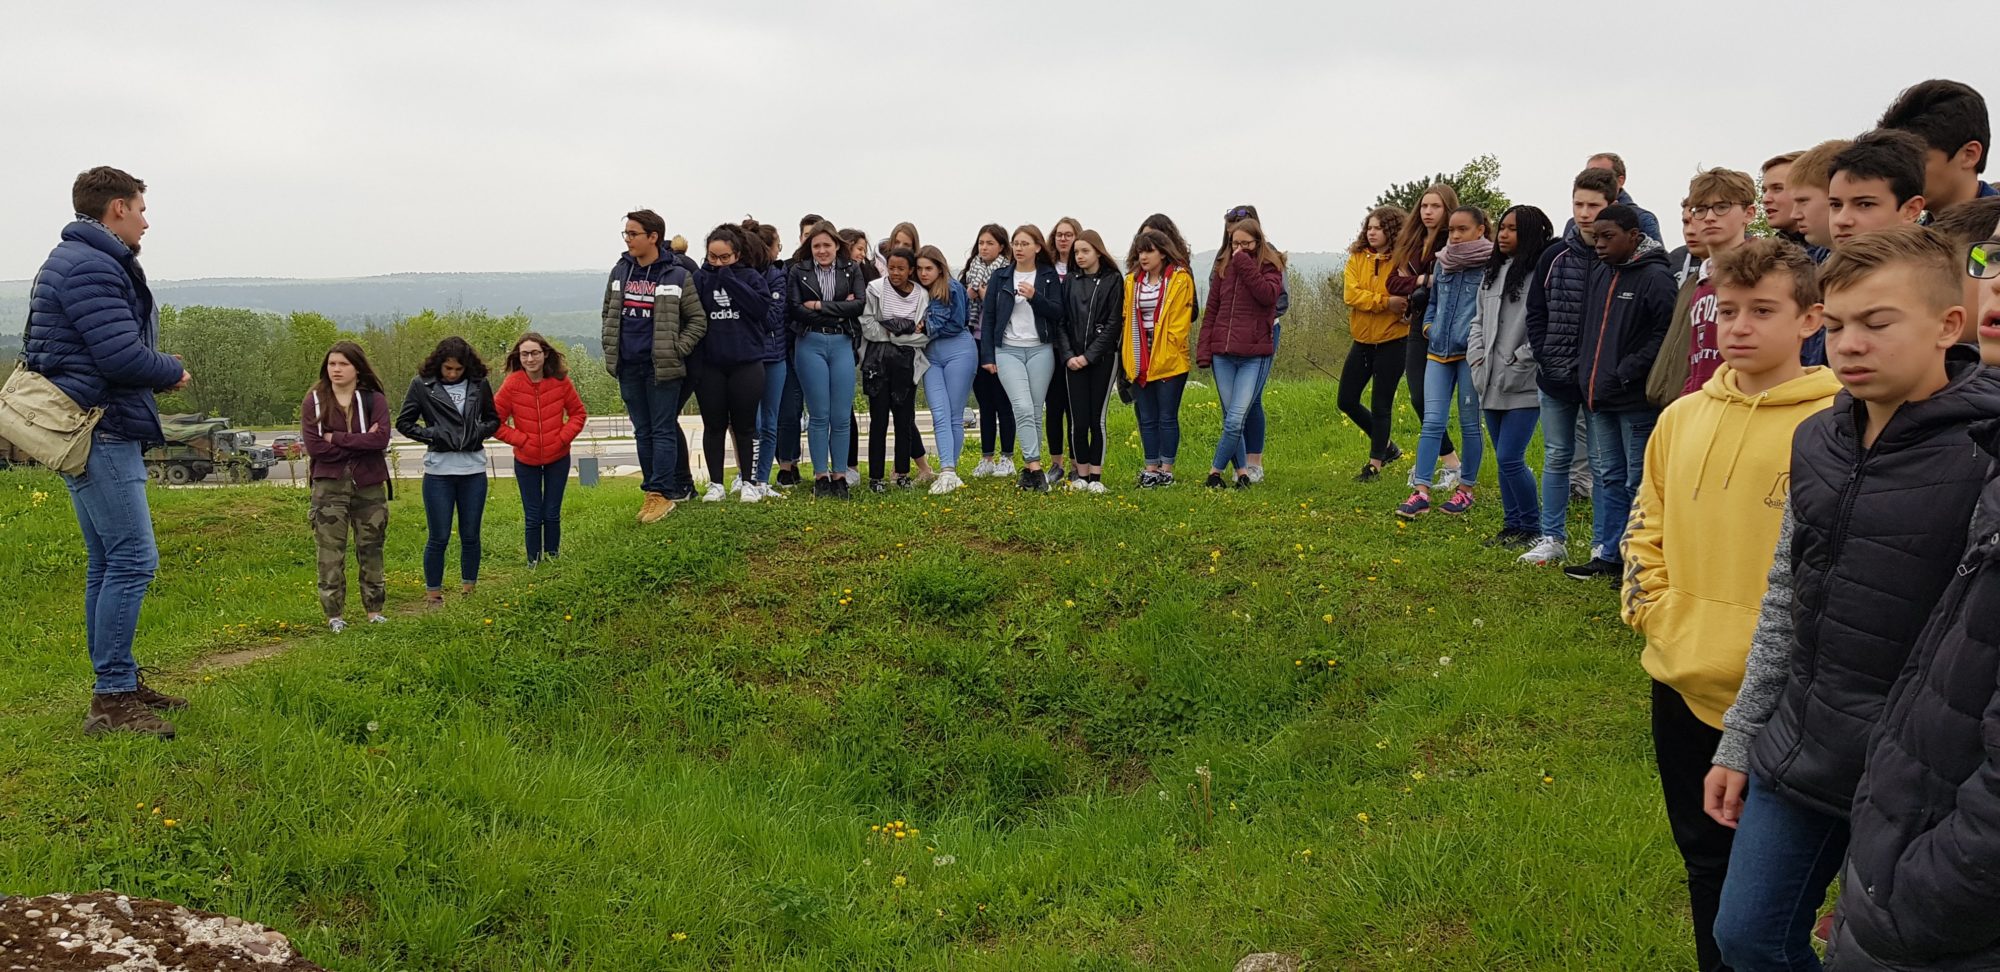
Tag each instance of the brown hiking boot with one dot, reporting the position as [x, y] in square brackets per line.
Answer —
[154, 699]
[655, 507]
[124, 712]
[433, 600]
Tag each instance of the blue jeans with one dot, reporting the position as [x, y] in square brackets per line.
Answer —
[825, 364]
[1784, 858]
[947, 385]
[653, 407]
[777, 378]
[1511, 429]
[1442, 381]
[1025, 373]
[1558, 452]
[1158, 407]
[1617, 459]
[444, 495]
[110, 503]
[1238, 377]
[791, 415]
[541, 505]
[1253, 423]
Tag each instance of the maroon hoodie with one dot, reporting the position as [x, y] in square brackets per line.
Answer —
[359, 450]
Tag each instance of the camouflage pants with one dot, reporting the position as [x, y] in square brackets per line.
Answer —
[339, 506]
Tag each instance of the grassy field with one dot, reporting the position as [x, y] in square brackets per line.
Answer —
[1143, 730]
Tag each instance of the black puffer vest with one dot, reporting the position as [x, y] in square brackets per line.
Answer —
[1566, 287]
[1877, 534]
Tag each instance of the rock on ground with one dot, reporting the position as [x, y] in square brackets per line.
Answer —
[1267, 962]
[108, 932]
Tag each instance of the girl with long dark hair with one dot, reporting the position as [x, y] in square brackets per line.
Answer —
[1062, 255]
[1159, 311]
[540, 415]
[824, 296]
[1415, 254]
[1503, 367]
[1377, 330]
[344, 423]
[1024, 306]
[1087, 350]
[729, 371]
[996, 414]
[1236, 339]
[449, 408]
[777, 358]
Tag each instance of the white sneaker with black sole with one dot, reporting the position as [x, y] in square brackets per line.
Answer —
[1546, 551]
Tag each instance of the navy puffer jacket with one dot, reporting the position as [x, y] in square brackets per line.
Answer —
[1556, 299]
[93, 331]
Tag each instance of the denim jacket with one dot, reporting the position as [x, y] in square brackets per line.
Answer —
[1448, 317]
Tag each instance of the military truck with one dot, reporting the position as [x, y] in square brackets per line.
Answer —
[198, 447]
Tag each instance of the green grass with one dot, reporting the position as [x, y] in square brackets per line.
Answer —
[682, 729]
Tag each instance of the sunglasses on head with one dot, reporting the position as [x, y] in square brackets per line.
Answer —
[1982, 260]
[1239, 212]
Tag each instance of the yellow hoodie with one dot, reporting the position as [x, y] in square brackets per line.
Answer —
[1704, 525]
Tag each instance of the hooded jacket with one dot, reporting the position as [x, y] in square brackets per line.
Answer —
[538, 418]
[738, 305]
[1164, 353]
[1709, 505]
[1627, 309]
[1365, 289]
[1242, 305]
[94, 332]
[1919, 890]
[1092, 323]
[1869, 560]
[1503, 361]
[356, 448]
[1556, 297]
[678, 321]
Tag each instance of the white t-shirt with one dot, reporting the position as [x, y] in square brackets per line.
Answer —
[1021, 331]
[1062, 270]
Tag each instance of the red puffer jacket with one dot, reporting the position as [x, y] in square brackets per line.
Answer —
[532, 417]
[1242, 304]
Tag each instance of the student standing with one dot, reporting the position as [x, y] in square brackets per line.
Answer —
[1709, 506]
[1153, 359]
[776, 357]
[344, 423]
[540, 415]
[1875, 481]
[729, 371]
[1628, 310]
[996, 414]
[449, 408]
[792, 407]
[1950, 120]
[1024, 305]
[1062, 255]
[1721, 203]
[1503, 367]
[1087, 349]
[1251, 453]
[954, 358]
[1243, 294]
[1447, 340]
[1416, 254]
[893, 363]
[824, 298]
[1874, 184]
[1375, 322]
[652, 320]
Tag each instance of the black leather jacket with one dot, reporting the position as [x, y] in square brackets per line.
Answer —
[445, 428]
[1094, 317]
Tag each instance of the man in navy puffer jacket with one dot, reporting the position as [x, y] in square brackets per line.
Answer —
[94, 332]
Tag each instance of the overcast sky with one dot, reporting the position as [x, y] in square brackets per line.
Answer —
[321, 139]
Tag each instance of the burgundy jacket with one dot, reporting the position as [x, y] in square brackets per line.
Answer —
[1242, 304]
[360, 450]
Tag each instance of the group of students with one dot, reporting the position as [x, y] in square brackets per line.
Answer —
[1041, 331]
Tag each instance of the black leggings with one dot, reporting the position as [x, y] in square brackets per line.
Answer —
[1382, 364]
[1416, 356]
[1057, 419]
[729, 396]
[996, 414]
[1089, 390]
[882, 409]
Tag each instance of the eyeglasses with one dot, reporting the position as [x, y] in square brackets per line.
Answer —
[1982, 260]
[633, 234]
[532, 352]
[1718, 210]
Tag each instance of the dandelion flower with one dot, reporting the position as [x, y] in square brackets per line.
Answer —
[169, 822]
[1418, 775]
[1548, 779]
[1068, 603]
[566, 617]
[1328, 618]
[156, 809]
[1296, 662]
[489, 620]
[1363, 817]
[680, 936]
[899, 881]
[1332, 662]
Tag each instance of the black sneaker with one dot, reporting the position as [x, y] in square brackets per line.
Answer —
[877, 486]
[1055, 471]
[1512, 537]
[1596, 567]
[1369, 473]
[840, 488]
[1027, 480]
[1214, 481]
[821, 488]
[789, 477]
[904, 482]
[1041, 481]
[1242, 480]
[1395, 453]
[1149, 479]
[1166, 478]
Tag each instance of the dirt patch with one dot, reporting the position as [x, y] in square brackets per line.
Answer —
[108, 932]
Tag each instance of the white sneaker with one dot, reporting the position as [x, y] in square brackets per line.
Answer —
[984, 469]
[750, 493]
[1546, 551]
[715, 492]
[946, 482]
[1096, 486]
[735, 486]
[1256, 473]
[853, 476]
[336, 624]
[1447, 480]
[1075, 485]
[1004, 468]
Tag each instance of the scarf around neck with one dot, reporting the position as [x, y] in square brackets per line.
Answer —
[1464, 256]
